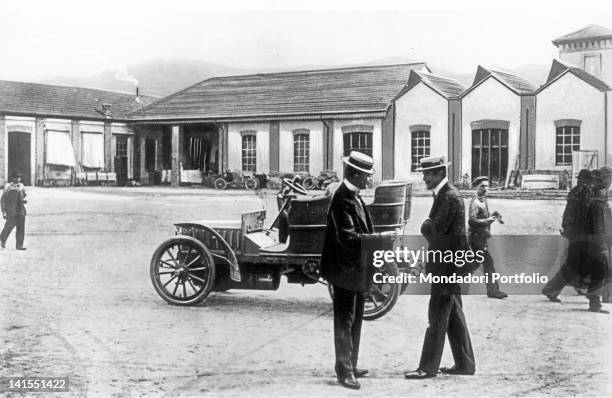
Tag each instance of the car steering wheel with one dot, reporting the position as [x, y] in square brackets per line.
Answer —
[295, 186]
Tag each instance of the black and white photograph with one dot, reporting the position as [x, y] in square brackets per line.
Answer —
[305, 199]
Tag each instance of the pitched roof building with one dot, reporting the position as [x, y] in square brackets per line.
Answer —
[590, 49]
[45, 100]
[341, 93]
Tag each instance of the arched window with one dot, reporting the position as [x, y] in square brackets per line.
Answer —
[301, 150]
[490, 149]
[358, 138]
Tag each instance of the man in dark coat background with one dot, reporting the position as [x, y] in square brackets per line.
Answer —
[599, 232]
[348, 221]
[574, 229]
[444, 230]
[13, 211]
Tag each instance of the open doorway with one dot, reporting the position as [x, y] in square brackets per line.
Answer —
[201, 148]
[19, 155]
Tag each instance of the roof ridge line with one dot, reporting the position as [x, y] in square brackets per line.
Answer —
[78, 87]
[317, 70]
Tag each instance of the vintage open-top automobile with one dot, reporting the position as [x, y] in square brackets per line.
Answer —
[207, 256]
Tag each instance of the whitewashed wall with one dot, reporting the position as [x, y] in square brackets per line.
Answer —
[577, 58]
[286, 145]
[420, 105]
[234, 145]
[490, 100]
[569, 98]
[338, 151]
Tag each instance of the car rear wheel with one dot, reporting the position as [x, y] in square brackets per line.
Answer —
[182, 271]
[220, 183]
[382, 296]
[251, 183]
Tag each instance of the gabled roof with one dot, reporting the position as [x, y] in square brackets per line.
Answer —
[591, 32]
[445, 86]
[33, 99]
[316, 92]
[558, 69]
[517, 84]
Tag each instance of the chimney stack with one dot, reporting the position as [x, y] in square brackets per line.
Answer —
[106, 109]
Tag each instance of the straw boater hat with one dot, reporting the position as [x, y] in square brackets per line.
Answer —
[359, 161]
[432, 162]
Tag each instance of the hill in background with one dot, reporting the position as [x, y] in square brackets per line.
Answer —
[164, 77]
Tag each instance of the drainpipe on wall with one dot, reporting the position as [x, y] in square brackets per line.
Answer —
[326, 149]
[606, 128]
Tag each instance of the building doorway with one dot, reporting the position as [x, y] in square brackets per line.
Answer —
[200, 148]
[19, 155]
[490, 155]
[121, 159]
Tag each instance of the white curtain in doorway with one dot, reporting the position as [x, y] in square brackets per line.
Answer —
[59, 148]
[93, 150]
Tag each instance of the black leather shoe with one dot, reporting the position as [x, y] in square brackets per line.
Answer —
[456, 371]
[349, 382]
[20, 248]
[3, 244]
[497, 295]
[360, 372]
[598, 310]
[552, 298]
[418, 374]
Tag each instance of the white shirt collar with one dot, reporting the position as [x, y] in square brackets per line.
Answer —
[350, 186]
[440, 185]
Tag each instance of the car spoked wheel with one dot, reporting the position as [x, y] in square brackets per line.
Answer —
[220, 183]
[182, 271]
[382, 296]
[251, 184]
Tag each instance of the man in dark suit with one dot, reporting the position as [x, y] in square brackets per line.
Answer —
[444, 230]
[574, 229]
[14, 211]
[347, 221]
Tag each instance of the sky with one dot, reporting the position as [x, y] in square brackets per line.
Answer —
[42, 39]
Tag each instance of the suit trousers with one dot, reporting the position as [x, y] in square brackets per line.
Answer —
[10, 223]
[446, 317]
[348, 316]
[597, 268]
[488, 265]
[577, 256]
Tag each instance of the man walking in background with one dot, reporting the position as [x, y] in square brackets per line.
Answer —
[13, 211]
[574, 230]
[599, 232]
[479, 231]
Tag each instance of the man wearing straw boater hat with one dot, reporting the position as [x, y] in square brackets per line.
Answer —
[444, 230]
[348, 221]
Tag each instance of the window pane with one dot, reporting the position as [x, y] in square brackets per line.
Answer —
[249, 153]
[420, 148]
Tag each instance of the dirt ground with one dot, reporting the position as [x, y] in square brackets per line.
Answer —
[79, 303]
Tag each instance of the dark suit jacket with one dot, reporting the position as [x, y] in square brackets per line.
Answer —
[13, 200]
[445, 228]
[341, 257]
